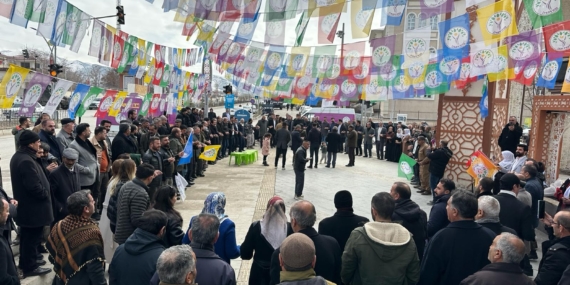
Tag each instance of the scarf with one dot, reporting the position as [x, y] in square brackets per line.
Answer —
[215, 204]
[86, 144]
[73, 243]
[274, 223]
[508, 160]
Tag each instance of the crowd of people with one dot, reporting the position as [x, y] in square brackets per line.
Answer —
[113, 202]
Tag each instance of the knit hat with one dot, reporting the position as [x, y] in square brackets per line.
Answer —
[66, 121]
[70, 153]
[343, 199]
[297, 252]
[27, 137]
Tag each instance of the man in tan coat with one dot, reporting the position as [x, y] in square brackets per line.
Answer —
[423, 161]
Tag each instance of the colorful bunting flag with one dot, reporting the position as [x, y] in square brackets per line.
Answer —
[6, 8]
[406, 167]
[549, 72]
[382, 50]
[455, 34]
[59, 90]
[275, 32]
[34, 90]
[59, 25]
[416, 46]
[301, 27]
[277, 10]
[394, 11]
[497, 21]
[542, 13]
[93, 93]
[13, 80]
[298, 60]
[566, 83]
[434, 82]
[526, 73]
[481, 167]
[436, 7]
[484, 104]
[245, 31]
[482, 58]
[361, 19]
[117, 104]
[502, 69]
[76, 98]
[21, 12]
[328, 22]
[557, 39]
[105, 103]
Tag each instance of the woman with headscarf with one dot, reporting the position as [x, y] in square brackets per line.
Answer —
[225, 247]
[398, 144]
[263, 237]
[505, 165]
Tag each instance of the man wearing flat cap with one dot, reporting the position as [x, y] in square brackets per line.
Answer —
[32, 191]
[297, 260]
[65, 136]
[64, 181]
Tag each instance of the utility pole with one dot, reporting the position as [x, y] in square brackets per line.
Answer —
[207, 71]
[340, 34]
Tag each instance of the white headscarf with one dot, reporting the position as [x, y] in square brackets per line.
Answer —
[508, 160]
[274, 223]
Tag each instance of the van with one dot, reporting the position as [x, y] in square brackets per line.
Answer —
[343, 114]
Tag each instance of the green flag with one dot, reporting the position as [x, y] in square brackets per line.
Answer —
[434, 80]
[300, 29]
[406, 167]
[127, 48]
[145, 104]
[71, 24]
[89, 98]
[543, 13]
[165, 76]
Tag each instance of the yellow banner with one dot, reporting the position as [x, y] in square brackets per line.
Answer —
[324, 91]
[361, 20]
[112, 29]
[11, 84]
[566, 84]
[210, 152]
[150, 73]
[206, 31]
[297, 101]
[180, 101]
[497, 21]
[416, 73]
[142, 53]
[298, 61]
[481, 166]
[504, 71]
[117, 104]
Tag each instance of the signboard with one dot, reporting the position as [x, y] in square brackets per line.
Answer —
[242, 114]
[229, 102]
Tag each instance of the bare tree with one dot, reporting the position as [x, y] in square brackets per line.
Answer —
[111, 80]
[96, 74]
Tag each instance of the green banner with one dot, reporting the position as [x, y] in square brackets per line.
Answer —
[301, 27]
[543, 13]
[406, 167]
[127, 48]
[89, 98]
[434, 80]
[145, 104]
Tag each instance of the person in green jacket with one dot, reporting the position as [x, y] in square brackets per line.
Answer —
[380, 252]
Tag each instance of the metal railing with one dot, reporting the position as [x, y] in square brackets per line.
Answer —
[9, 118]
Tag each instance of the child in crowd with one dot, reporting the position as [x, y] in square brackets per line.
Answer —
[265, 148]
[323, 153]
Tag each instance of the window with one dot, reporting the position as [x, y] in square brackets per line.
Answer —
[411, 21]
[423, 20]
[25, 65]
[433, 21]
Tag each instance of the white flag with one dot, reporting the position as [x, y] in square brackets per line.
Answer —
[416, 46]
[482, 59]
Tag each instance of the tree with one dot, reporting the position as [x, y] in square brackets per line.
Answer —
[111, 80]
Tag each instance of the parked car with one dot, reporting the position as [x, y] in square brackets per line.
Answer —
[13, 112]
[277, 104]
[95, 104]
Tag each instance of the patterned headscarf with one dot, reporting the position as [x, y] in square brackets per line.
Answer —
[215, 204]
[274, 222]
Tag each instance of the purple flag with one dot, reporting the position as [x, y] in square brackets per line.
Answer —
[436, 7]
[208, 9]
[382, 50]
[523, 48]
[34, 91]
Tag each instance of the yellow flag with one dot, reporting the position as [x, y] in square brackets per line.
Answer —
[497, 21]
[210, 152]
[112, 29]
[298, 61]
[504, 71]
[361, 20]
[207, 29]
[566, 84]
[150, 73]
[297, 101]
[324, 91]
[142, 53]
[117, 104]
[11, 84]
[416, 73]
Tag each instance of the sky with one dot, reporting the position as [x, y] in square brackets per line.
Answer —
[149, 21]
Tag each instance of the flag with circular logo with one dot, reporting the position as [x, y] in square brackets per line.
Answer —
[454, 35]
[543, 12]
[406, 167]
[105, 103]
[497, 21]
[549, 72]
[557, 39]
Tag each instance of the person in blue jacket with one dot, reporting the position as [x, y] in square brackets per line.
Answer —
[226, 247]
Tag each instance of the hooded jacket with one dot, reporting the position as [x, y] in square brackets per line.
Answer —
[380, 253]
[134, 262]
[414, 219]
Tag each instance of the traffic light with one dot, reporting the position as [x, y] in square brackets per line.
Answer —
[120, 15]
[228, 89]
[25, 53]
[55, 69]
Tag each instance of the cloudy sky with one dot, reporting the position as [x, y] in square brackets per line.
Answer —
[149, 22]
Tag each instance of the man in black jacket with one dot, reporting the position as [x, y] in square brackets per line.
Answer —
[556, 253]
[299, 167]
[359, 130]
[510, 136]
[409, 214]
[134, 262]
[154, 158]
[271, 125]
[438, 162]
[344, 221]
[64, 181]
[315, 139]
[282, 139]
[47, 135]
[122, 143]
[8, 271]
[461, 248]
[296, 140]
[303, 216]
[488, 215]
[32, 191]
[438, 214]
